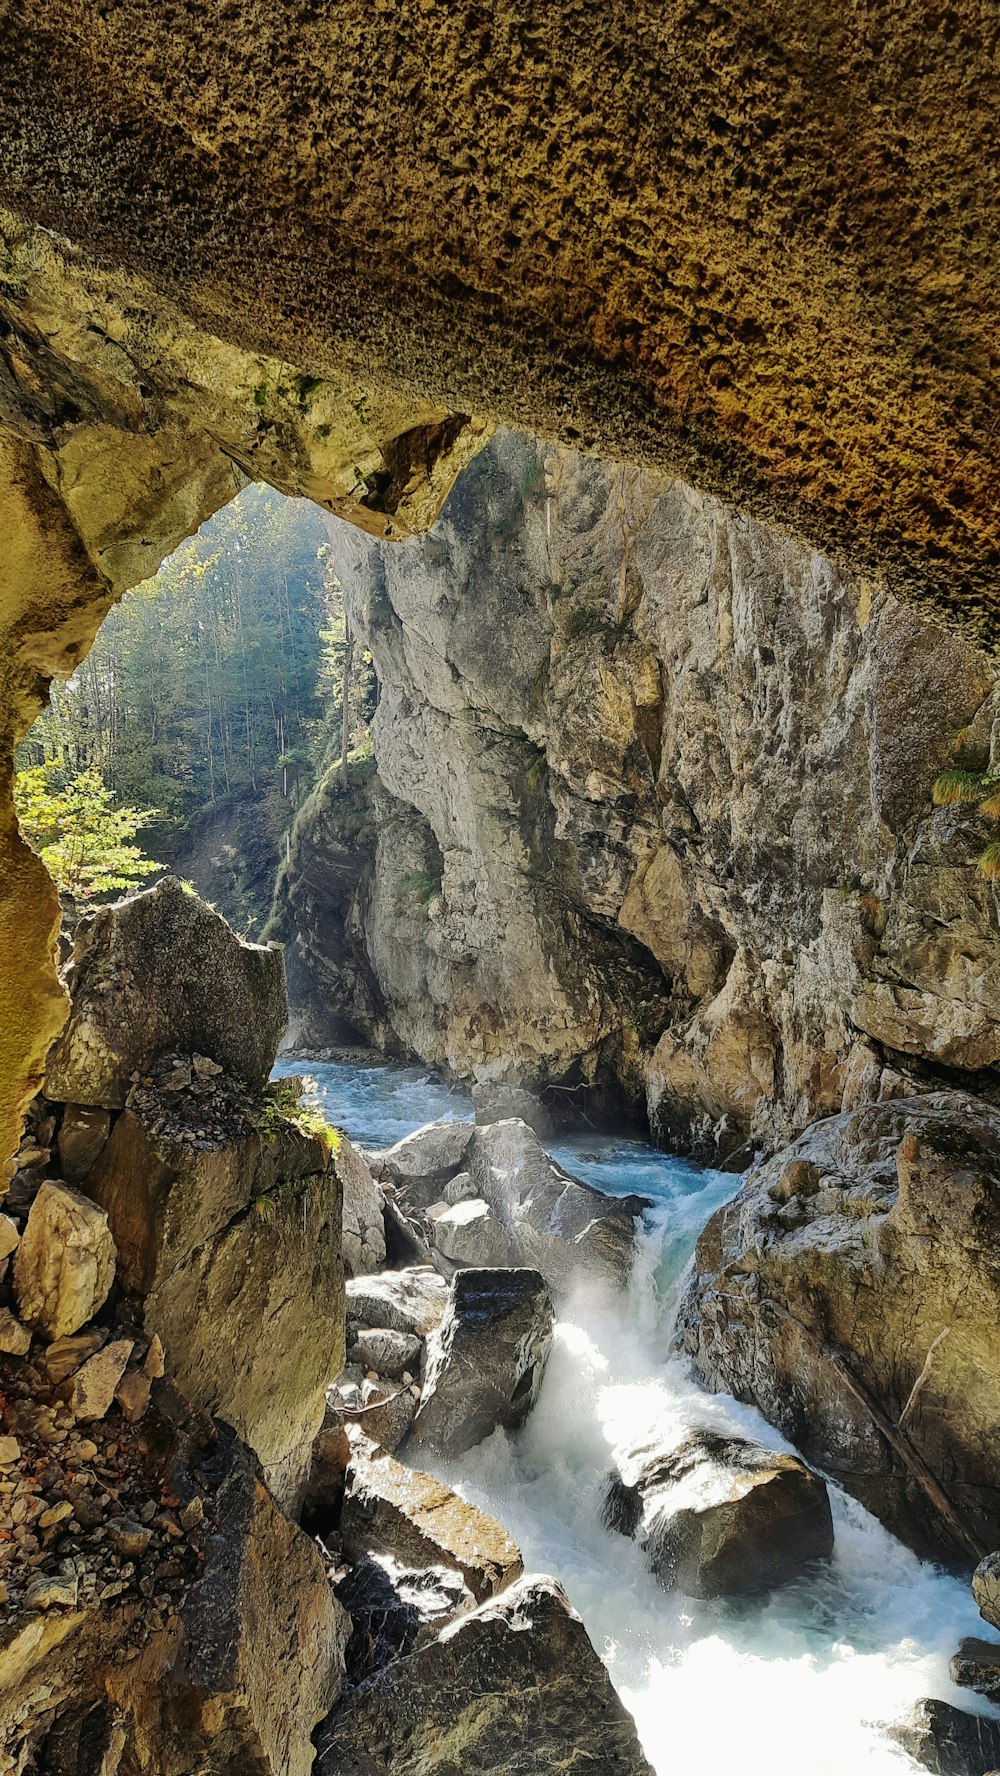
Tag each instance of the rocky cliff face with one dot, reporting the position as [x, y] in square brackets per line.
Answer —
[651, 811]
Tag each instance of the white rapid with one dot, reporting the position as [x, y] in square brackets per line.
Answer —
[802, 1680]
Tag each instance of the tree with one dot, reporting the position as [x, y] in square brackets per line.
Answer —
[84, 841]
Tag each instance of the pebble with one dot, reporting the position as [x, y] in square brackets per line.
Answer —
[52, 1590]
[10, 1451]
[55, 1514]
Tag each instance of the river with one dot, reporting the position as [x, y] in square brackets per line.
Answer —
[798, 1681]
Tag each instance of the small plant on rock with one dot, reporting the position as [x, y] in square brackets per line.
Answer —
[964, 782]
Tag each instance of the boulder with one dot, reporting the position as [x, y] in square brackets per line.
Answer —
[395, 1609]
[364, 1230]
[391, 1354]
[495, 1102]
[411, 1300]
[82, 1134]
[486, 1360]
[515, 1687]
[569, 1231]
[423, 1161]
[976, 1666]
[458, 1189]
[393, 1510]
[65, 1264]
[469, 1233]
[225, 1238]
[720, 1516]
[162, 971]
[851, 1291]
[948, 1741]
[386, 1412]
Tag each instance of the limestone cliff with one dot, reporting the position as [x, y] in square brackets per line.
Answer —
[651, 808]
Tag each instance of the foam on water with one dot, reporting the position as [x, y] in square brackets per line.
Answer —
[802, 1680]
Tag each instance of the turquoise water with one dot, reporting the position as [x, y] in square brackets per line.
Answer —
[800, 1683]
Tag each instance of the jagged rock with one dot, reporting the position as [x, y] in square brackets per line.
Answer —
[976, 1666]
[496, 1102]
[161, 971]
[720, 1516]
[486, 1360]
[469, 1233]
[96, 1381]
[331, 1452]
[410, 1300]
[458, 1189]
[82, 1134]
[389, 1409]
[389, 1353]
[395, 1609]
[209, 1234]
[10, 1451]
[948, 1741]
[56, 1590]
[986, 1589]
[65, 1355]
[65, 1264]
[868, 1298]
[421, 1162]
[567, 1230]
[363, 1228]
[394, 1510]
[514, 1689]
[264, 1634]
[15, 1339]
[9, 1239]
[132, 1394]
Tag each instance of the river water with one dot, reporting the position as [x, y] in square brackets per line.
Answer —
[795, 1682]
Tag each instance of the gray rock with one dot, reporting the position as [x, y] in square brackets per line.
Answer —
[458, 1189]
[976, 1666]
[569, 1231]
[470, 1233]
[421, 1162]
[986, 1589]
[514, 1689]
[162, 972]
[393, 1510]
[720, 1516]
[389, 1353]
[363, 1227]
[410, 1300]
[486, 1360]
[948, 1741]
[495, 1102]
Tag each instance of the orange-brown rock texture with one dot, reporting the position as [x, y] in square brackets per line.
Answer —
[756, 245]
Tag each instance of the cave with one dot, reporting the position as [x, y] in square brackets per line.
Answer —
[649, 363]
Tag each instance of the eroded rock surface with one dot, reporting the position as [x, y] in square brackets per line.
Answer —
[64, 1265]
[653, 787]
[852, 1292]
[950, 1742]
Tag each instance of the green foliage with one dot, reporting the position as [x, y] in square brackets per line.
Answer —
[84, 840]
[285, 1106]
[960, 783]
[423, 885]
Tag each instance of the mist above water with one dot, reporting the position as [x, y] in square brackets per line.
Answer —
[804, 1679]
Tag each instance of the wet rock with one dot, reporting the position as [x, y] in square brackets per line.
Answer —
[161, 971]
[516, 1685]
[82, 1134]
[423, 1161]
[948, 1741]
[567, 1230]
[495, 1102]
[469, 1233]
[720, 1516]
[986, 1589]
[976, 1666]
[364, 1231]
[860, 1314]
[486, 1360]
[389, 1353]
[411, 1300]
[95, 1382]
[395, 1609]
[393, 1510]
[387, 1410]
[65, 1264]
[15, 1339]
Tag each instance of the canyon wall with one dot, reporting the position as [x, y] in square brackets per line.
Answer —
[649, 812]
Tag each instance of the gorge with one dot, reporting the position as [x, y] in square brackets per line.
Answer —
[641, 370]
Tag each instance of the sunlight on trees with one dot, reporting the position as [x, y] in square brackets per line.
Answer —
[85, 842]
